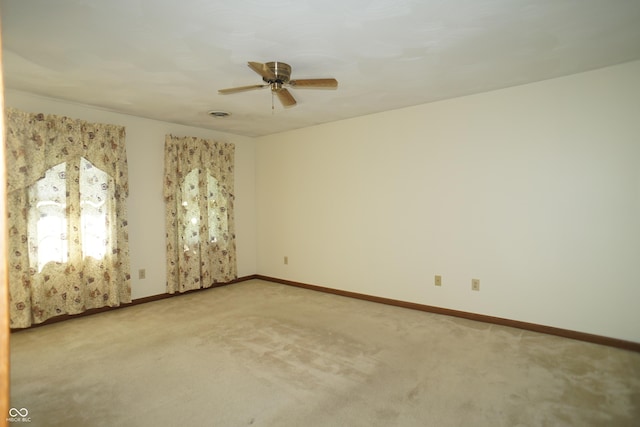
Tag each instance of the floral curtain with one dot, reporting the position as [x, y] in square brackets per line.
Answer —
[67, 182]
[198, 190]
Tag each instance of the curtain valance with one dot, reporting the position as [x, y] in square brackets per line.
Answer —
[37, 142]
[183, 154]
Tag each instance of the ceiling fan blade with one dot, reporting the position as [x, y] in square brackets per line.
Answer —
[285, 97]
[240, 89]
[262, 70]
[319, 83]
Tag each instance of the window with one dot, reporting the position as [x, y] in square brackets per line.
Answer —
[48, 238]
[67, 188]
[50, 219]
[215, 209]
[96, 194]
[198, 190]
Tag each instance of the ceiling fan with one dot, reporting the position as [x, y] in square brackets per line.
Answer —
[277, 76]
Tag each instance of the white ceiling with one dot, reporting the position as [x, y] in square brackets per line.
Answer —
[166, 59]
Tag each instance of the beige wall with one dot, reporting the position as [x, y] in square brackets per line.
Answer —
[535, 190]
[145, 145]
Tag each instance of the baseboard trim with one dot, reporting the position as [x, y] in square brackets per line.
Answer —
[550, 330]
[136, 301]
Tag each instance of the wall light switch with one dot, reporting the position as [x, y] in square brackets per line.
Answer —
[142, 273]
[438, 280]
[286, 260]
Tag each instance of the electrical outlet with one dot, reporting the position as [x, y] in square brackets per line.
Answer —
[475, 284]
[142, 273]
[438, 280]
[286, 260]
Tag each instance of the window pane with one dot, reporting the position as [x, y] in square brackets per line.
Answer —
[94, 200]
[217, 210]
[48, 222]
[216, 206]
[47, 228]
[191, 210]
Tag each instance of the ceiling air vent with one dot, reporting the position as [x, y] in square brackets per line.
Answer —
[219, 114]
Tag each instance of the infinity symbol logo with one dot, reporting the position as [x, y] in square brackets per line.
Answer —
[22, 412]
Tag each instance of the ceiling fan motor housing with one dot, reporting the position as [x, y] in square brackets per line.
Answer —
[280, 70]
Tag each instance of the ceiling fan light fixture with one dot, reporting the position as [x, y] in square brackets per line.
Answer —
[219, 114]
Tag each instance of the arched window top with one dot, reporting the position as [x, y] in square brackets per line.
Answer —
[191, 183]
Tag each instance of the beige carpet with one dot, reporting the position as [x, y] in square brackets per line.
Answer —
[263, 354]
